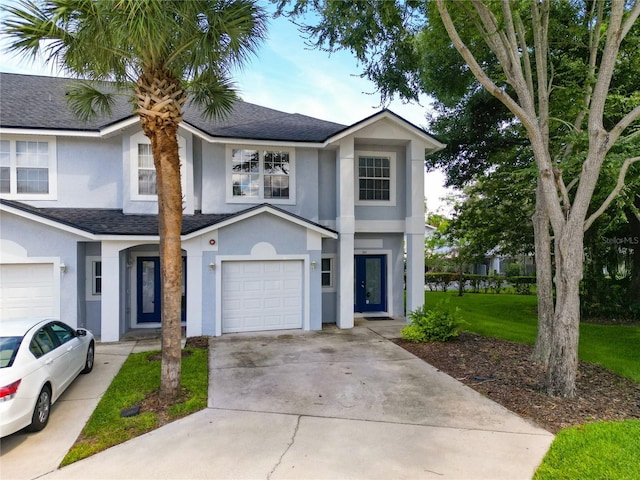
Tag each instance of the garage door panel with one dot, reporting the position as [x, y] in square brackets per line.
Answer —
[273, 285]
[27, 290]
[261, 295]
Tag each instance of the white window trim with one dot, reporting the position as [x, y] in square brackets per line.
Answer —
[89, 282]
[230, 198]
[141, 138]
[52, 167]
[332, 286]
[392, 179]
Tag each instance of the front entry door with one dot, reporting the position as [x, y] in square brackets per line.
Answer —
[370, 283]
[149, 296]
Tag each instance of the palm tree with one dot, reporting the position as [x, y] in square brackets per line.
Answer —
[162, 52]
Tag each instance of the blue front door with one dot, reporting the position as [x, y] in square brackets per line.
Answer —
[149, 292]
[370, 288]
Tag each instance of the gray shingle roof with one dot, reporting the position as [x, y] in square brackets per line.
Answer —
[115, 222]
[39, 102]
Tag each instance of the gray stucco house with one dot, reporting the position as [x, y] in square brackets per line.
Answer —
[289, 221]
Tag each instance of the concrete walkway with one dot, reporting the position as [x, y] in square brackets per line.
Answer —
[344, 404]
[30, 455]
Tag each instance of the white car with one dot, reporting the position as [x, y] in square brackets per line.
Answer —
[39, 358]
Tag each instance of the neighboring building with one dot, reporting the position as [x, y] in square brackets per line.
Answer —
[289, 221]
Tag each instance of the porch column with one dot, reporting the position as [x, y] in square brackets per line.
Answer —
[345, 223]
[110, 297]
[194, 289]
[414, 225]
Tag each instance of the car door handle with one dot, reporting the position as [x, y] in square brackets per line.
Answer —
[70, 348]
[49, 361]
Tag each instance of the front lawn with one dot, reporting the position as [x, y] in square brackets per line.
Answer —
[606, 450]
[603, 450]
[514, 317]
[138, 377]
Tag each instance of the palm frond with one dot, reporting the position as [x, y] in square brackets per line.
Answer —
[88, 102]
[215, 93]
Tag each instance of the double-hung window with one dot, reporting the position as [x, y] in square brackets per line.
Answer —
[327, 266]
[28, 168]
[146, 171]
[375, 182]
[260, 174]
[143, 182]
[93, 278]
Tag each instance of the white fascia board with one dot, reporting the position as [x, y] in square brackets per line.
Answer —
[258, 211]
[76, 231]
[50, 133]
[103, 132]
[432, 144]
[46, 221]
[247, 141]
[120, 126]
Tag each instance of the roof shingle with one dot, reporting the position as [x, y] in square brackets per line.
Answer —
[115, 222]
[39, 102]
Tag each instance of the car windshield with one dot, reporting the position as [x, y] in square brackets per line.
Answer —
[8, 349]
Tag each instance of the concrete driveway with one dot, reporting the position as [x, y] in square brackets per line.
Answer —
[345, 404]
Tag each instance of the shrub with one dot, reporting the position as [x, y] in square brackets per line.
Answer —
[513, 270]
[438, 324]
[440, 280]
[523, 285]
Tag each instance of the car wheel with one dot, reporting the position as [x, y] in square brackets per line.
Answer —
[88, 364]
[41, 411]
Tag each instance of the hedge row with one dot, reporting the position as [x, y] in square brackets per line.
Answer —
[478, 283]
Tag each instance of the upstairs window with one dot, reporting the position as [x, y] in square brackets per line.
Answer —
[28, 168]
[146, 171]
[143, 180]
[260, 174]
[375, 178]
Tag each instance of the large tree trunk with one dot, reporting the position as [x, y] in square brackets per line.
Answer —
[160, 99]
[563, 359]
[544, 282]
[166, 160]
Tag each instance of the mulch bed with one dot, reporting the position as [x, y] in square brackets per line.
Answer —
[502, 371]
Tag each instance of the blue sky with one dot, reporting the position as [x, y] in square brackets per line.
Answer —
[287, 75]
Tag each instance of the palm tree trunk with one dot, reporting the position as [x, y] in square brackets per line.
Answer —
[160, 100]
[164, 145]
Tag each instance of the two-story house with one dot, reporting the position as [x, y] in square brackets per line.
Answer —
[289, 221]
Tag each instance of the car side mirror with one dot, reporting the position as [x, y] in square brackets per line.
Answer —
[81, 332]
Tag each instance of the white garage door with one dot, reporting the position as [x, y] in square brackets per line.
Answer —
[261, 295]
[26, 290]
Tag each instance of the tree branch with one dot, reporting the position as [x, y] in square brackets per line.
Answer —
[619, 186]
[627, 120]
[475, 68]
[522, 38]
[633, 16]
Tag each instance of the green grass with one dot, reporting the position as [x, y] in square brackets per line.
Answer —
[603, 450]
[138, 377]
[514, 317]
[606, 450]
